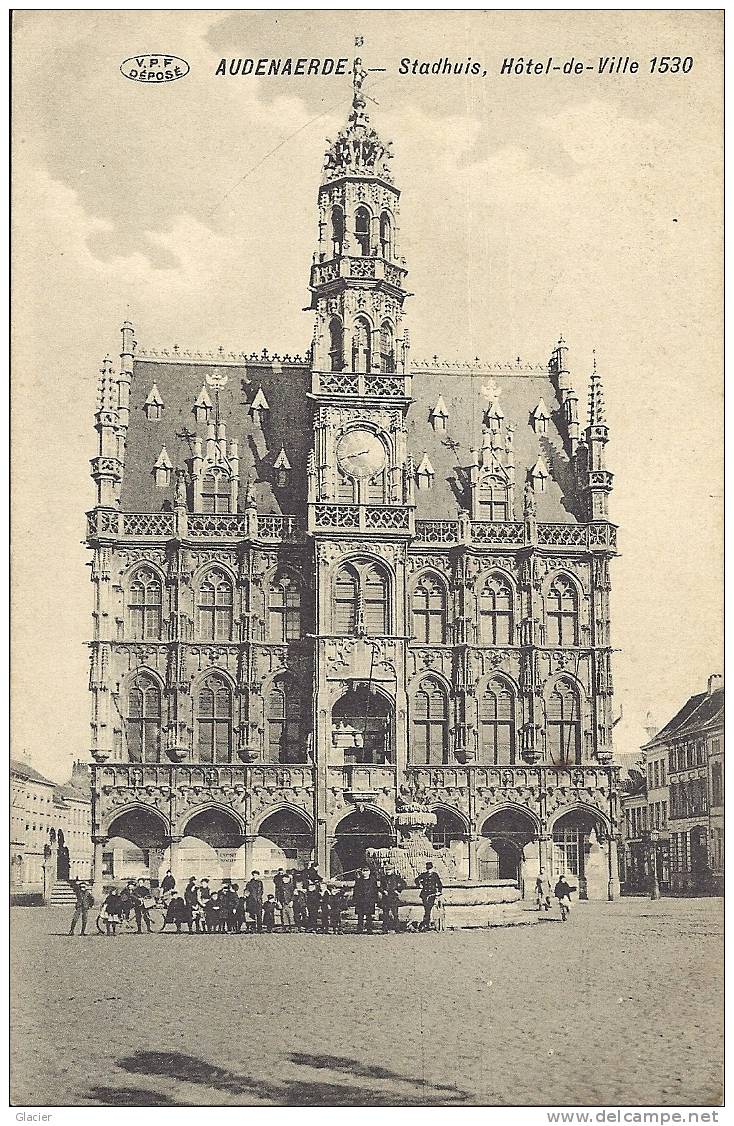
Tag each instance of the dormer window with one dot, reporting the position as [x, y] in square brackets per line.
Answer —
[539, 475]
[282, 469]
[216, 492]
[493, 498]
[540, 418]
[153, 405]
[362, 230]
[425, 473]
[439, 416]
[203, 406]
[163, 470]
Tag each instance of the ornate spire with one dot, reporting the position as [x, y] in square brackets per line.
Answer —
[596, 398]
[357, 150]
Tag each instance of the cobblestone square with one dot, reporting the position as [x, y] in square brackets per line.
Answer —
[621, 1006]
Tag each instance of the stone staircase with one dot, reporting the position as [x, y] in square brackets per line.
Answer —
[62, 895]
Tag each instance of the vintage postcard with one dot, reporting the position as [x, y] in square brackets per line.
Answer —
[367, 436]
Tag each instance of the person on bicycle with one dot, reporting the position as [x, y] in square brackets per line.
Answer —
[562, 892]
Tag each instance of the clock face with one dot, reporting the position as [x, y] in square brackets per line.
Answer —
[360, 453]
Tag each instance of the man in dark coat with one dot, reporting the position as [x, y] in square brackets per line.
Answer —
[562, 892]
[142, 898]
[254, 901]
[84, 900]
[168, 883]
[391, 885]
[193, 908]
[285, 887]
[313, 906]
[365, 899]
[431, 887]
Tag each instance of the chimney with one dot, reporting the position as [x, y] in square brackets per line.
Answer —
[716, 681]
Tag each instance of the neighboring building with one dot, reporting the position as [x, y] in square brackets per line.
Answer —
[50, 829]
[690, 750]
[633, 861]
[292, 632]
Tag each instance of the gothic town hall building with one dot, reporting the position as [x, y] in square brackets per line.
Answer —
[324, 583]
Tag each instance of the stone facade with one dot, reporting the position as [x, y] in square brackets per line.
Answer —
[688, 822]
[50, 829]
[293, 632]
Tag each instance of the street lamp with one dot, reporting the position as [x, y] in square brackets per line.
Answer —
[654, 886]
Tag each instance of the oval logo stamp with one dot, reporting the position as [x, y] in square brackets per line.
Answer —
[154, 68]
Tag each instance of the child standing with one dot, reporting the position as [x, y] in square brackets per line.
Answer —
[269, 914]
[299, 909]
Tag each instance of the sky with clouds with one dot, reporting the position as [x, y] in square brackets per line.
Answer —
[531, 206]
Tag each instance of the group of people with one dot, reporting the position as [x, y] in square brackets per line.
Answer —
[562, 891]
[302, 901]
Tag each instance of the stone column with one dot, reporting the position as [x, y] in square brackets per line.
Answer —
[248, 841]
[174, 859]
[97, 878]
[474, 842]
[613, 891]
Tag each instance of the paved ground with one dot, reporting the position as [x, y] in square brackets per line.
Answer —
[622, 1005]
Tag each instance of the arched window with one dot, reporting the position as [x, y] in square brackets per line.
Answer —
[336, 344]
[337, 232]
[496, 612]
[144, 720]
[215, 607]
[386, 235]
[564, 724]
[145, 605]
[285, 723]
[216, 492]
[493, 499]
[362, 346]
[497, 725]
[284, 609]
[375, 601]
[214, 718]
[361, 600]
[429, 611]
[362, 230]
[387, 347]
[562, 612]
[430, 745]
[346, 597]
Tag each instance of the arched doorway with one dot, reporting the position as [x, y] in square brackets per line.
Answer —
[501, 852]
[361, 723]
[355, 833]
[136, 844]
[450, 832]
[213, 839]
[284, 840]
[580, 850]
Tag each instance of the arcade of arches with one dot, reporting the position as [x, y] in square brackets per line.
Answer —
[509, 849]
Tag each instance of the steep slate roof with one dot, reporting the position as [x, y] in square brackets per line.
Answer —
[67, 792]
[698, 712]
[462, 387]
[516, 388]
[23, 770]
[287, 423]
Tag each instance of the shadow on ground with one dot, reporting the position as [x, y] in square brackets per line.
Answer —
[403, 1090]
